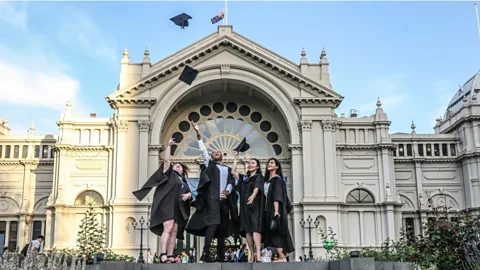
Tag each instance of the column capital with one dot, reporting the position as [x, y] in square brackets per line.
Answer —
[295, 148]
[155, 148]
[144, 125]
[121, 125]
[305, 125]
[329, 125]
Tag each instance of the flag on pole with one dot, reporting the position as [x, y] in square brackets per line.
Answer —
[218, 18]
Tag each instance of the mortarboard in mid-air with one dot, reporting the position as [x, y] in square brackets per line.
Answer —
[188, 75]
[242, 147]
[181, 20]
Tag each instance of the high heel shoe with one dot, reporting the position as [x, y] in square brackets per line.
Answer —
[166, 260]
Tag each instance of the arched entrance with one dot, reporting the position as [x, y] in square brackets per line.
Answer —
[225, 116]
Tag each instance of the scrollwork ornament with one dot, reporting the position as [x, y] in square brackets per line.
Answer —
[144, 125]
[122, 125]
[328, 125]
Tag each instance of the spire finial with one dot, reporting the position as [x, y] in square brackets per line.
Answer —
[323, 57]
[324, 53]
[413, 127]
[69, 104]
[303, 60]
[379, 103]
[146, 59]
[126, 56]
[32, 126]
[147, 52]
[303, 54]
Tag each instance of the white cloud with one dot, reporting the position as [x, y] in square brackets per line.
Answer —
[443, 90]
[390, 91]
[11, 15]
[79, 30]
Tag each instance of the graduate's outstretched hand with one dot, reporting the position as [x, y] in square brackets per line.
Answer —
[195, 126]
[235, 154]
[171, 141]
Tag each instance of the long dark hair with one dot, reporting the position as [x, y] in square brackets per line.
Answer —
[185, 169]
[278, 171]
[259, 170]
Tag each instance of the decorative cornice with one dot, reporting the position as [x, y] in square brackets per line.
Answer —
[228, 42]
[317, 101]
[305, 125]
[295, 147]
[426, 160]
[144, 125]
[158, 148]
[141, 101]
[364, 146]
[89, 148]
[13, 162]
[227, 161]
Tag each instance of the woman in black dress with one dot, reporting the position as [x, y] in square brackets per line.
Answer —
[252, 204]
[171, 203]
[277, 208]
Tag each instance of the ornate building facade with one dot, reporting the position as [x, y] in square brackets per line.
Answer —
[349, 173]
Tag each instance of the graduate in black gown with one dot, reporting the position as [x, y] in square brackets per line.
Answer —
[277, 208]
[212, 208]
[171, 203]
[252, 205]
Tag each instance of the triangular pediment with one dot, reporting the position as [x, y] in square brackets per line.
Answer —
[226, 40]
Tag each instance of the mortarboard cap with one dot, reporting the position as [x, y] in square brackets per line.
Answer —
[188, 75]
[243, 146]
[181, 20]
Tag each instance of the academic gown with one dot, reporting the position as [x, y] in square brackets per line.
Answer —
[251, 215]
[277, 191]
[207, 203]
[167, 200]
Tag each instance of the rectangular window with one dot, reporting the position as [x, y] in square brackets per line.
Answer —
[25, 151]
[37, 229]
[444, 150]
[1, 150]
[52, 153]
[12, 241]
[37, 151]
[401, 150]
[409, 150]
[429, 150]
[410, 227]
[3, 231]
[453, 150]
[420, 149]
[45, 151]
[16, 151]
[436, 149]
[8, 149]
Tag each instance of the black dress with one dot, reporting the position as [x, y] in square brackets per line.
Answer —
[167, 201]
[277, 191]
[251, 215]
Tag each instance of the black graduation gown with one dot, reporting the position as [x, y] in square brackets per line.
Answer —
[167, 201]
[277, 191]
[251, 215]
[207, 203]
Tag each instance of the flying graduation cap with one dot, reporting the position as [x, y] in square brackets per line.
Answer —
[181, 20]
[188, 75]
[242, 147]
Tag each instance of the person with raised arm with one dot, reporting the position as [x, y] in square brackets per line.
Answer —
[171, 203]
[212, 212]
[277, 207]
[252, 205]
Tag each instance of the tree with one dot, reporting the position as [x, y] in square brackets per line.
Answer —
[91, 237]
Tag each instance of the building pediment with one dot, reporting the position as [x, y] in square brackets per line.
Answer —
[225, 40]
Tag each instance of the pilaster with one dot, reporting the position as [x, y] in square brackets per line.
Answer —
[144, 128]
[329, 127]
[121, 160]
[306, 128]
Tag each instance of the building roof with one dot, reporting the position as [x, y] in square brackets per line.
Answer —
[465, 91]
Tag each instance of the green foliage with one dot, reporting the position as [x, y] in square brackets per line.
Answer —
[448, 241]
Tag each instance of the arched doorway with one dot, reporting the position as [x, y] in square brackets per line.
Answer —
[225, 116]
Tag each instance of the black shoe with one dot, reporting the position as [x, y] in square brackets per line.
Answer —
[207, 257]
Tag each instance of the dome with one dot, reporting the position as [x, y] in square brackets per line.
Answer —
[467, 90]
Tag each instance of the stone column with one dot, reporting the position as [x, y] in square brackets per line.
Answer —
[419, 182]
[48, 229]
[469, 142]
[299, 234]
[27, 176]
[330, 159]
[306, 127]
[144, 127]
[7, 233]
[22, 230]
[121, 162]
[387, 177]
[153, 159]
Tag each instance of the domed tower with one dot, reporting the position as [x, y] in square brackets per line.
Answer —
[462, 118]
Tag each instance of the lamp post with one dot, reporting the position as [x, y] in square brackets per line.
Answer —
[141, 229]
[309, 221]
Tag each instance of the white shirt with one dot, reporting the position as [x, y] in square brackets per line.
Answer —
[35, 244]
[223, 169]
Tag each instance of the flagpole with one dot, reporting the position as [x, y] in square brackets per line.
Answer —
[478, 24]
[225, 22]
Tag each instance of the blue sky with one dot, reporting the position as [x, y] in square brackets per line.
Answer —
[413, 55]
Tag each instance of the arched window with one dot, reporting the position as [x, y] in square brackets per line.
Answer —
[89, 197]
[222, 127]
[360, 195]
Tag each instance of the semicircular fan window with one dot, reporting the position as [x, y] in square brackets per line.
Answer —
[222, 127]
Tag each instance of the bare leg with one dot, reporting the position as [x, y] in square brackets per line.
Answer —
[167, 231]
[281, 256]
[257, 237]
[172, 239]
[250, 245]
